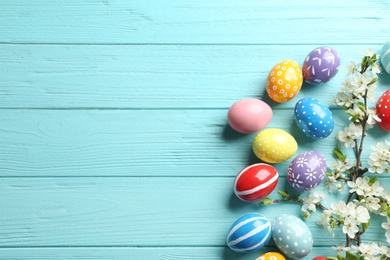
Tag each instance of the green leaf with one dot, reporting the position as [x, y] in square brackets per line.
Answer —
[351, 256]
[331, 258]
[361, 106]
[364, 60]
[372, 81]
[340, 257]
[267, 201]
[366, 225]
[284, 194]
[339, 154]
[388, 211]
[372, 181]
[384, 206]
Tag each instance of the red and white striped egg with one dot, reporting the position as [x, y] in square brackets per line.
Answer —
[255, 182]
[383, 111]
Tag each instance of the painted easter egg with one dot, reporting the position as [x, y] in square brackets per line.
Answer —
[385, 57]
[249, 233]
[321, 65]
[255, 182]
[292, 236]
[284, 81]
[249, 115]
[273, 145]
[383, 111]
[306, 171]
[319, 258]
[271, 256]
[313, 118]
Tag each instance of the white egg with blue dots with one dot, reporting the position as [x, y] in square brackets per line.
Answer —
[292, 236]
[313, 118]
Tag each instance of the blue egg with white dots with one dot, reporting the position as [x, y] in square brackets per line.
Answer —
[313, 118]
[249, 233]
[292, 236]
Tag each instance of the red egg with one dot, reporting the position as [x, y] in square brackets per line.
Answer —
[383, 111]
[319, 258]
[255, 182]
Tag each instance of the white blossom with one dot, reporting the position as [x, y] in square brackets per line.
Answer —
[368, 250]
[359, 186]
[386, 227]
[349, 135]
[380, 158]
[362, 215]
[350, 227]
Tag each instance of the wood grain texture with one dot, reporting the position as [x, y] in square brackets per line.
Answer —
[140, 142]
[125, 253]
[58, 76]
[113, 134]
[44, 212]
[193, 22]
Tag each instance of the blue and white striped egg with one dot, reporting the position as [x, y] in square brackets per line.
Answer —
[385, 57]
[249, 233]
[313, 118]
[292, 236]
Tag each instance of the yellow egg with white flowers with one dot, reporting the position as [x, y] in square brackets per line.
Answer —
[284, 81]
[274, 145]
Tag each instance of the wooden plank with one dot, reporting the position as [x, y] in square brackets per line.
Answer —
[170, 253]
[139, 142]
[199, 22]
[51, 76]
[144, 212]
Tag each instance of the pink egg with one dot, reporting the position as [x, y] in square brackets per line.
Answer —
[249, 115]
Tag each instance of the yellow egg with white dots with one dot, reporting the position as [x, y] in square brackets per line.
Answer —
[274, 145]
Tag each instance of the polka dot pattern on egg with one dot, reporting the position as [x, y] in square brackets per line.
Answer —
[314, 118]
[292, 236]
[383, 111]
[274, 145]
[284, 81]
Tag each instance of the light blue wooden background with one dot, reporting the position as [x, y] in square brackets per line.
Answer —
[113, 135]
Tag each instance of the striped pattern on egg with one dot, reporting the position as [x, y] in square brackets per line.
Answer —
[249, 233]
[385, 57]
[255, 182]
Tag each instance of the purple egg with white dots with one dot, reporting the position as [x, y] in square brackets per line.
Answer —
[321, 65]
[313, 118]
[306, 171]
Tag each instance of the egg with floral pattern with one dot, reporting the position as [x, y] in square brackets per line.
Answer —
[249, 233]
[274, 145]
[271, 256]
[314, 118]
[383, 111]
[307, 171]
[321, 65]
[292, 236]
[284, 81]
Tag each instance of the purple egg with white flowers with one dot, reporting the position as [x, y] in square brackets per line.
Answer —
[321, 65]
[307, 171]
[313, 118]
